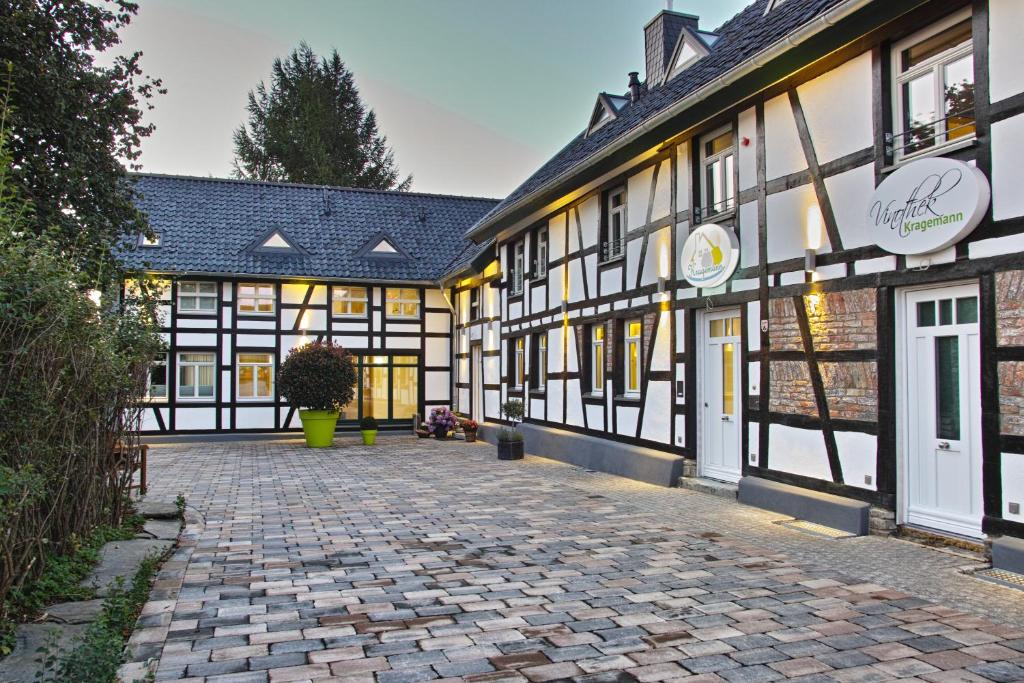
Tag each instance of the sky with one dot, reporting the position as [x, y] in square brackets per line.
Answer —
[473, 95]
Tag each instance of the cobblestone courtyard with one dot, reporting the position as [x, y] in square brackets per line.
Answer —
[417, 560]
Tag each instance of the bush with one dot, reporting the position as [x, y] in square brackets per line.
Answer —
[368, 423]
[509, 435]
[442, 421]
[318, 376]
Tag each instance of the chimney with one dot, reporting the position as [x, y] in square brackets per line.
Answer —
[660, 37]
[634, 86]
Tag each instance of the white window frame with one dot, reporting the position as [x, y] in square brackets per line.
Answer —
[194, 291]
[182, 364]
[935, 65]
[337, 298]
[518, 263]
[542, 252]
[542, 360]
[475, 294]
[402, 300]
[257, 298]
[627, 341]
[255, 383]
[518, 362]
[160, 359]
[727, 170]
[614, 245]
[597, 360]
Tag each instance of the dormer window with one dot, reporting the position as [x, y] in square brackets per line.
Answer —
[275, 241]
[606, 109]
[384, 247]
[147, 241]
[692, 45]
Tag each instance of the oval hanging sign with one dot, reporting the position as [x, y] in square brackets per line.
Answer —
[710, 255]
[927, 205]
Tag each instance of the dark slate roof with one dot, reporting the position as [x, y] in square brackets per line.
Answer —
[739, 38]
[473, 256]
[214, 225]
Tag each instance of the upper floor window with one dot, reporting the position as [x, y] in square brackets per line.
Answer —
[197, 297]
[196, 376]
[934, 87]
[518, 258]
[148, 241]
[257, 299]
[474, 303]
[156, 381]
[717, 160]
[255, 376]
[349, 302]
[613, 242]
[633, 332]
[403, 303]
[542, 252]
[540, 369]
[597, 359]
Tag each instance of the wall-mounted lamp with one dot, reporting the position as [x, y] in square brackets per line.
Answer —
[565, 306]
[813, 238]
[662, 284]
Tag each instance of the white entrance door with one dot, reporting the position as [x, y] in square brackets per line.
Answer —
[719, 448]
[943, 408]
[476, 374]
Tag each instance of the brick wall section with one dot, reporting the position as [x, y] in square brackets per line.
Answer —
[1010, 308]
[1011, 397]
[791, 390]
[842, 321]
[851, 389]
[783, 329]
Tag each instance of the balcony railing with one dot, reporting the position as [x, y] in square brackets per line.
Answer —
[956, 126]
[613, 249]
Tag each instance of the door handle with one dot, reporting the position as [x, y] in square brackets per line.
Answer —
[725, 418]
[944, 445]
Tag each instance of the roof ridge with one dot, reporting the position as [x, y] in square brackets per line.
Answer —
[278, 183]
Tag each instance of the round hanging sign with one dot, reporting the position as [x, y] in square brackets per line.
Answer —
[710, 255]
[927, 205]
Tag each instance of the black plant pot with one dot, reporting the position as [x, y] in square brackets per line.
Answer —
[510, 450]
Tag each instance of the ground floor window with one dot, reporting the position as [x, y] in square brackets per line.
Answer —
[541, 367]
[597, 359]
[156, 382]
[196, 375]
[387, 388]
[632, 348]
[255, 376]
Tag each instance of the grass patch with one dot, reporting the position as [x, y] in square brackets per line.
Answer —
[99, 653]
[60, 579]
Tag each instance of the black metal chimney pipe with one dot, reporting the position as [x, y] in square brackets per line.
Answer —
[634, 86]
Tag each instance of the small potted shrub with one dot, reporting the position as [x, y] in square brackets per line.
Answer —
[470, 427]
[318, 379]
[442, 423]
[510, 441]
[368, 428]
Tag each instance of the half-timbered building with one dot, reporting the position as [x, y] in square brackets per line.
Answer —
[789, 259]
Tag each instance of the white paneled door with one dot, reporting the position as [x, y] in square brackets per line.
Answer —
[720, 396]
[943, 407]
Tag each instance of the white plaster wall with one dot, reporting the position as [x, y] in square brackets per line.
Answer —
[437, 351]
[538, 298]
[556, 236]
[850, 193]
[270, 324]
[555, 397]
[661, 359]
[555, 349]
[633, 248]
[683, 175]
[747, 156]
[149, 423]
[611, 280]
[595, 417]
[754, 325]
[783, 153]
[625, 420]
[408, 343]
[555, 277]
[837, 106]
[1013, 484]
[680, 430]
[662, 193]
[638, 196]
[787, 215]
[435, 298]
[312, 318]
[575, 280]
[590, 219]
[1007, 170]
[574, 403]
[295, 293]
[996, 246]
[252, 418]
[438, 322]
[657, 417]
[197, 339]
[858, 456]
[207, 323]
[798, 451]
[189, 417]
[658, 259]
[591, 272]
[1005, 50]
[438, 386]
[748, 234]
[753, 442]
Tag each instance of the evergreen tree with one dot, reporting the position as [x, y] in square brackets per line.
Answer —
[310, 126]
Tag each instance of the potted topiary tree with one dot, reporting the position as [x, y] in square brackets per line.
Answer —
[510, 441]
[368, 428]
[318, 379]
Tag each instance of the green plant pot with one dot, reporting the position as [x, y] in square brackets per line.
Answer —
[369, 436]
[318, 426]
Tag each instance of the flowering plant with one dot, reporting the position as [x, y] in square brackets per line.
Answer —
[442, 421]
[469, 425]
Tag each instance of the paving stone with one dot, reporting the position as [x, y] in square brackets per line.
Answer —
[25, 661]
[81, 612]
[120, 560]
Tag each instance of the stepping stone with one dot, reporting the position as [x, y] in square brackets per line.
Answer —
[155, 509]
[121, 559]
[22, 664]
[80, 612]
[164, 529]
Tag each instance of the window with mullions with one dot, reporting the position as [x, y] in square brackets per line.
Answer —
[541, 268]
[518, 263]
[197, 297]
[387, 388]
[474, 303]
[255, 376]
[196, 376]
[517, 363]
[933, 81]
[597, 359]
[348, 302]
[258, 299]
[632, 356]
[402, 302]
[718, 154]
[540, 368]
[156, 381]
[613, 234]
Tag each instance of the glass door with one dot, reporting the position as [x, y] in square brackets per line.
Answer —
[719, 451]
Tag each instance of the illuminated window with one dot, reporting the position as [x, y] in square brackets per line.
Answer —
[518, 369]
[197, 297]
[255, 376]
[614, 234]
[256, 299]
[375, 387]
[196, 374]
[934, 87]
[633, 333]
[387, 388]
[403, 303]
[597, 359]
[718, 156]
[147, 241]
[348, 302]
[156, 380]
